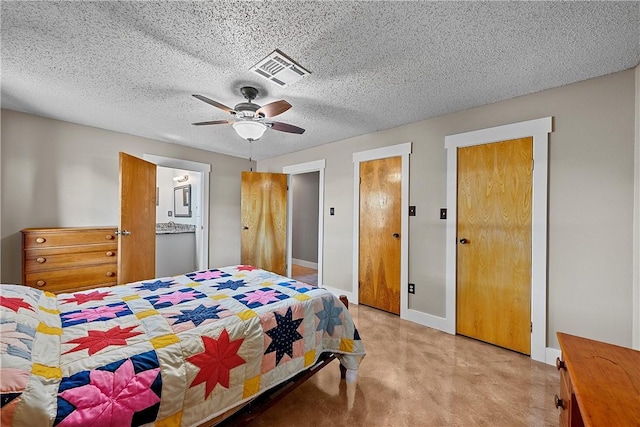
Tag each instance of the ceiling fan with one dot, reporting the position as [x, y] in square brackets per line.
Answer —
[251, 120]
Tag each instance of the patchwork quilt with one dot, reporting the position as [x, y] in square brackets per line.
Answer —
[167, 352]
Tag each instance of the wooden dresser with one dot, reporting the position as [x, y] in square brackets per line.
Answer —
[69, 259]
[599, 383]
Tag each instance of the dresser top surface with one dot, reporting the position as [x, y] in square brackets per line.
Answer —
[605, 378]
[58, 229]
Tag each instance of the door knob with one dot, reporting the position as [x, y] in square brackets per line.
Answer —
[464, 241]
[396, 235]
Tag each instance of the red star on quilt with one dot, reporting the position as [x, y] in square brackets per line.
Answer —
[246, 268]
[91, 296]
[97, 340]
[216, 361]
[14, 304]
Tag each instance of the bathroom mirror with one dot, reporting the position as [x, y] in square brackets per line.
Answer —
[182, 201]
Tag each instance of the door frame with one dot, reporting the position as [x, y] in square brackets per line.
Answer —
[203, 224]
[315, 166]
[539, 129]
[402, 150]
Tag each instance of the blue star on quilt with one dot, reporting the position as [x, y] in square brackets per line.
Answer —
[198, 315]
[6, 398]
[329, 316]
[16, 338]
[284, 335]
[154, 286]
[300, 287]
[230, 284]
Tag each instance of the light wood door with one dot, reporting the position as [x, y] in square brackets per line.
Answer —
[137, 241]
[379, 233]
[264, 221]
[494, 243]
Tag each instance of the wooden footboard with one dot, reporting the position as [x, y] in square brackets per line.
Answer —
[248, 411]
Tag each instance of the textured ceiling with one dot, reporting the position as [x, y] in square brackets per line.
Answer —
[132, 66]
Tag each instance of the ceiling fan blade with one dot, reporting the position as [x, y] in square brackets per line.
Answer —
[212, 122]
[274, 108]
[283, 127]
[214, 103]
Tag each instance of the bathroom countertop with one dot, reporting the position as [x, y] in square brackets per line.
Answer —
[173, 228]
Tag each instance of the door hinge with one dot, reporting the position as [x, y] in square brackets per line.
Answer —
[533, 164]
[531, 328]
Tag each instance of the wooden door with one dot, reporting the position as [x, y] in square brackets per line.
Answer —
[494, 243]
[379, 241]
[264, 221]
[137, 241]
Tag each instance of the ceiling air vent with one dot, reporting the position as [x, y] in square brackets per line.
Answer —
[280, 69]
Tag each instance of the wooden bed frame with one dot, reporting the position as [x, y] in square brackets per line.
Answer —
[243, 414]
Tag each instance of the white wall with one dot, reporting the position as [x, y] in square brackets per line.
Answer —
[591, 196]
[166, 184]
[56, 173]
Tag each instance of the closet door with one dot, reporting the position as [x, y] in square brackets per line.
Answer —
[264, 221]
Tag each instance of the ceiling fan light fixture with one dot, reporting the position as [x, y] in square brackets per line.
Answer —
[249, 129]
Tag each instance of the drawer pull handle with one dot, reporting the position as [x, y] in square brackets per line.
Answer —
[41, 283]
[109, 237]
[110, 274]
[558, 402]
[560, 364]
[40, 240]
[110, 253]
[41, 260]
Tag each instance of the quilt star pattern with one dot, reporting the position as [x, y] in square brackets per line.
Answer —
[171, 351]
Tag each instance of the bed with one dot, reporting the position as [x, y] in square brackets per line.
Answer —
[178, 351]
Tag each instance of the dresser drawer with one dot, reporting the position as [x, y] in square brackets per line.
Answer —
[73, 279]
[53, 258]
[565, 398]
[35, 238]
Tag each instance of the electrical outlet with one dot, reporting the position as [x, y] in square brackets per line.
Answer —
[412, 288]
[169, 213]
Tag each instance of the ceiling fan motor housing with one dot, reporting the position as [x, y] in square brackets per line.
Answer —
[250, 93]
[246, 109]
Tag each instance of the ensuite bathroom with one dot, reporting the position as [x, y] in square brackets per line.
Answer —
[178, 221]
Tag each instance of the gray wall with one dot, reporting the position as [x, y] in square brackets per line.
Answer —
[591, 195]
[56, 173]
[304, 239]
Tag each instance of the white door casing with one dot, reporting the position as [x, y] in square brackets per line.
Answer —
[539, 129]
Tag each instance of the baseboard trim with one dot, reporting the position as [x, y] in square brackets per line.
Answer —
[353, 299]
[551, 354]
[304, 263]
[425, 319]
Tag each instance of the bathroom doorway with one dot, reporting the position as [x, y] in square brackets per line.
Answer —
[304, 238]
[305, 221]
[182, 212]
